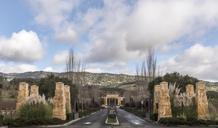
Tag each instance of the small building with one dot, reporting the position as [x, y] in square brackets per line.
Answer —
[112, 100]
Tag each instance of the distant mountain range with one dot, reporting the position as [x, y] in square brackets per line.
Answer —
[101, 79]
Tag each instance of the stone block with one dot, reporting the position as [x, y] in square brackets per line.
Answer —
[34, 90]
[164, 109]
[59, 102]
[201, 100]
[68, 99]
[23, 93]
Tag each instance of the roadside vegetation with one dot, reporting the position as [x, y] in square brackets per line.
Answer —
[184, 114]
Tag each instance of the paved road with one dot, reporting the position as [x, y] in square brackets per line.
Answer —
[97, 120]
[126, 119]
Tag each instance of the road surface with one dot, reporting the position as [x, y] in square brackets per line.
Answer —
[97, 120]
[126, 119]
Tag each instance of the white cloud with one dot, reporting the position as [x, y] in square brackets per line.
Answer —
[154, 23]
[61, 57]
[24, 46]
[18, 68]
[119, 32]
[56, 14]
[198, 60]
[122, 32]
[48, 69]
[66, 35]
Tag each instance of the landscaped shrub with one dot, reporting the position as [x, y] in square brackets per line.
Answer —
[154, 116]
[172, 121]
[38, 111]
[1, 120]
[182, 121]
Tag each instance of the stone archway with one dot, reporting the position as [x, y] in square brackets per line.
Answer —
[112, 100]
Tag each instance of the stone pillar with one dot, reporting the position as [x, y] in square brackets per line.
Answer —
[118, 101]
[190, 90]
[59, 102]
[164, 109]
[34, 90]
[201, 100]
[23, 93]
[156, 98]
[68, 100]
[106, 99]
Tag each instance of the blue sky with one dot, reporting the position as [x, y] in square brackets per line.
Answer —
[110, 35]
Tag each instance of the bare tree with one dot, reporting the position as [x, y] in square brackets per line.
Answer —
[70, 65]
[151, 64]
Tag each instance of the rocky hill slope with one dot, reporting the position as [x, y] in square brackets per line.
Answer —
[101, 79]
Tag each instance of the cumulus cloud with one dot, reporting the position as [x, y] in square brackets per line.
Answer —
[198, 60]
[23, 46]
[55, 14]
[159, 22]
[107, 37]
[48, 69]
[125, 31]
[119, 31]
[18, 68]
[66, 35]
[60, 57]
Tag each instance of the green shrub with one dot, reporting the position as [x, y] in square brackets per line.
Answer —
[182, 121]
[172, 121]
[154, 116]
[35, 112]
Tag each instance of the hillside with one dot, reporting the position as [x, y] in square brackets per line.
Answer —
[101, 79]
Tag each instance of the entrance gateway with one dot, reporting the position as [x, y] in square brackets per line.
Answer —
[112, 100]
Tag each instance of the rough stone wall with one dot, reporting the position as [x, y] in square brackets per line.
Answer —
[68, 100]
[201, 100]
[23, 93]
[156, 98]
[164, 109]
[59, 102]
[34, 90]
[190, 90]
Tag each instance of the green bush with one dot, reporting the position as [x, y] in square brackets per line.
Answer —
[182, 121]
[154, 116]
[22, 122]
[172, 121]
[35, 112]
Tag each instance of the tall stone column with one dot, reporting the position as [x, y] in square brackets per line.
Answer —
[156, 98]
[59, 102]
[118, 101]
[190, 94]
[23, 93]
[190, 90]
[201, 100]
[68, 100]
[34, 90]
[105, 101]
[164, 109]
